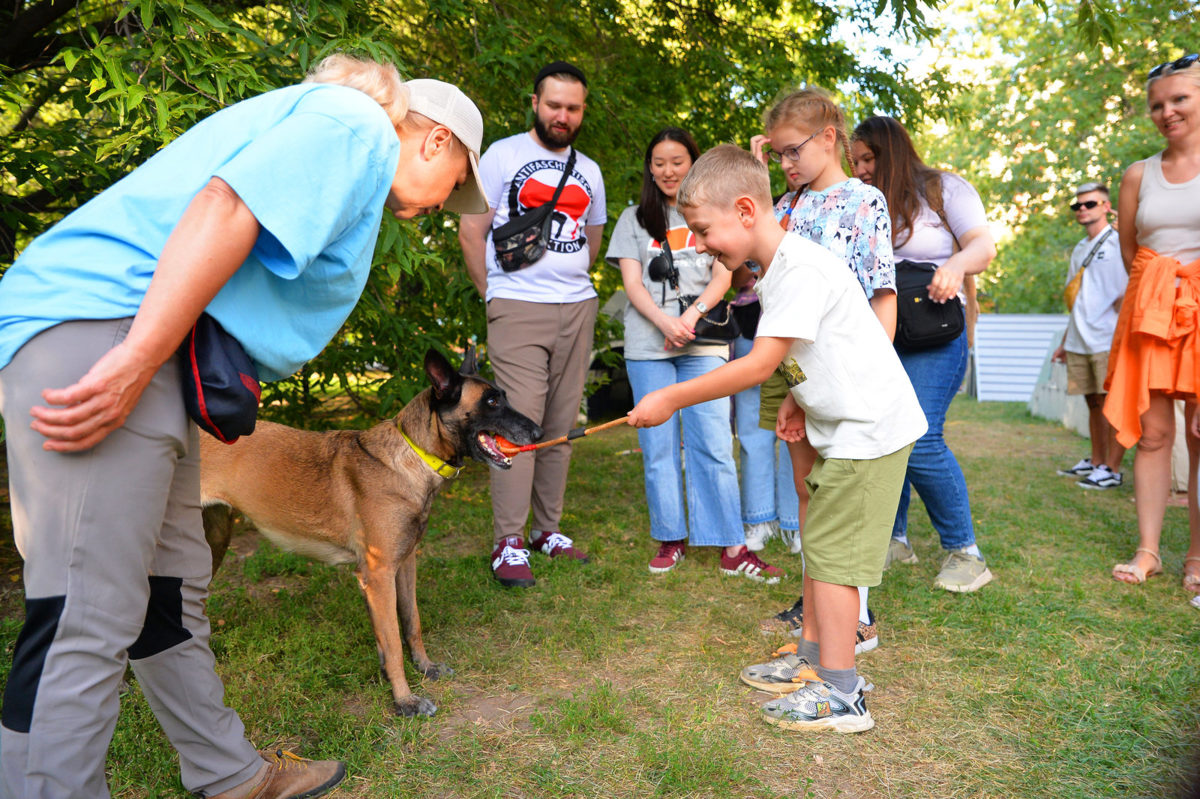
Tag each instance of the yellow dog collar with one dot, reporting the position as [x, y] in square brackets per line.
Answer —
[438, 465]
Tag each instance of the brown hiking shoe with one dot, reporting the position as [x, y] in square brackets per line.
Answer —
[289, 776]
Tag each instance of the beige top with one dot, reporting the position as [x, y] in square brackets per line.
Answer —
[1168, 215]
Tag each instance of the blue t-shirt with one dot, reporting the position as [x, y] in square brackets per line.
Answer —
[314, 164]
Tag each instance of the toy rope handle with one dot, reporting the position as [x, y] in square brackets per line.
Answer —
[578, 432]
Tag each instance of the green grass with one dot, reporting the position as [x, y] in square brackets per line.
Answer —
[603, 681]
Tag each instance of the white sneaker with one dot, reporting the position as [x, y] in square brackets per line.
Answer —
[1100, 479]
[759, 533]
[1081, 469]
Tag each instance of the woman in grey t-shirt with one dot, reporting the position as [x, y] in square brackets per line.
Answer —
[660, 350]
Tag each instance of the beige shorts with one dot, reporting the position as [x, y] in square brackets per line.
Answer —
[850, 517]
[1085, 373]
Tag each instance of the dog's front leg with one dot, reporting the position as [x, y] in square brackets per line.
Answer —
[378, 583]
[410, 619]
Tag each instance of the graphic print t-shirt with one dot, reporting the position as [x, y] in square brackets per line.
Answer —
[643, 340]
[519, 175]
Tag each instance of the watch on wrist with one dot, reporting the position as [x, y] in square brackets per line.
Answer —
[701, 307]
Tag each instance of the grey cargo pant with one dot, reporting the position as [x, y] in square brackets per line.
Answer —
[116, 570]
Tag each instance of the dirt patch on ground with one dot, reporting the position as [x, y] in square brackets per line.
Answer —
[480, 711]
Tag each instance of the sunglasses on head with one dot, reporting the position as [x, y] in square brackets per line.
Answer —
[1090, 204]
[1173, 66]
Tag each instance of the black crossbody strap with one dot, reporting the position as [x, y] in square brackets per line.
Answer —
[566, 176]
[1095, 249]
[513, 203]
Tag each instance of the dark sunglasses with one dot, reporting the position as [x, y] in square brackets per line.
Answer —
[1177, 64]
[1090, 204]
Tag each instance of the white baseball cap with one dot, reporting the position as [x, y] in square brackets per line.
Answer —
[446, 104]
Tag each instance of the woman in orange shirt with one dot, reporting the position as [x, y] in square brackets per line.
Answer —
[1156, 344]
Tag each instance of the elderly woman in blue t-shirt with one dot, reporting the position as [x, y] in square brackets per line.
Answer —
[265, 215]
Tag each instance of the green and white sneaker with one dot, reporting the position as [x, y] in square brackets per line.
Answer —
[963, 572]
[818, 706]
[787, 672]
[899, 551]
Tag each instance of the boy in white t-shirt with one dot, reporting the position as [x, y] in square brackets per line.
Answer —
[849, 396]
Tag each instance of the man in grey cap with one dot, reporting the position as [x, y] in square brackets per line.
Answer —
[540, 315]
[1095, 286]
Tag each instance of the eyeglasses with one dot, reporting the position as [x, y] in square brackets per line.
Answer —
[791, 153]
[1090, 204]
[1180, 63]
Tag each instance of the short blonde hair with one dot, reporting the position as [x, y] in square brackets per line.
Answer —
[379, 81]
[723, 174]
[811, 108]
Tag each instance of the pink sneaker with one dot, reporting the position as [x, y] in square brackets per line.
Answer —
[749, 564]
[669, 553]
[554, 544]
[510, 563]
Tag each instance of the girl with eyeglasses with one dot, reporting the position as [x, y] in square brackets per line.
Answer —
[937, 217]
[670, 287]
[805, 133]
[1155, 356]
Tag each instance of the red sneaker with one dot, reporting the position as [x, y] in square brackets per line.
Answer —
[669, 553]
[510, 563]
[554, 544]
[749, 564]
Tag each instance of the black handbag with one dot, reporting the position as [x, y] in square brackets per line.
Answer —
[522, 240]
[718, 326]
[922, 323]
[220, 383]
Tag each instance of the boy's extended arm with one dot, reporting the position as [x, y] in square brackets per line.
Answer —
[737, 375]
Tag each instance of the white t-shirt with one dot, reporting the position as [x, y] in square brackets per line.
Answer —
[842, 369]
[643, 340]
[1094, 316]
[519, 174]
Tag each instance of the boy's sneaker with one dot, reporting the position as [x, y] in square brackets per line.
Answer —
[669, 554]
[510, 563]
[963, 572]
[899, 551]
[759, 533]
[782, 675]
[819, 706]
[791, 622]
[554, 544]
[1100, 479]
[748, 564]
[1081, 469]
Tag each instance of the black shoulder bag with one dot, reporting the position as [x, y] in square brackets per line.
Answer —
[522, 240]
[921, 323]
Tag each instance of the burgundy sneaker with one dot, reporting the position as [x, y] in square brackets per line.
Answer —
[749, 564]
[554, 544]
[510, 563]
[669, 553]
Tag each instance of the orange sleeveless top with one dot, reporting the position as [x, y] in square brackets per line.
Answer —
[1155, 344]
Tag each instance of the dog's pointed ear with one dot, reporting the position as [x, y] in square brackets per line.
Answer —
[470, 365]
[441, 374]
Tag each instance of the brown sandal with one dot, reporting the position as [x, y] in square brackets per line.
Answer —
[1140, 575]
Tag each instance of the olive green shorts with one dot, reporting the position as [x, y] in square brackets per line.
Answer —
[850, 517]
[770, 397]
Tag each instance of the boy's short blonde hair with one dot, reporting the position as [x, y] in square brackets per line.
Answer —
[723, 174]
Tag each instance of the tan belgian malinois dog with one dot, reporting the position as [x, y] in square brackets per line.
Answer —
[363, 496]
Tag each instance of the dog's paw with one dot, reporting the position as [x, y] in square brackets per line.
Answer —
[436, 671]
[411, 706]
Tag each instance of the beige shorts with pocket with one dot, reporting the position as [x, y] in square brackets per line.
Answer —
[1085, 373]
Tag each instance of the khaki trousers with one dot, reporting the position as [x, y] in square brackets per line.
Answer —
[540, 353]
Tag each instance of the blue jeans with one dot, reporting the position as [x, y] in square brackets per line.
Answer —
[936, 375]
[713, 510]
[768, 488]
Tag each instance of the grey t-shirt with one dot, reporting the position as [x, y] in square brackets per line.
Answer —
[644, 341]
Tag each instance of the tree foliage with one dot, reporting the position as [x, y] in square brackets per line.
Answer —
[1040, 111]
[91, 88]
